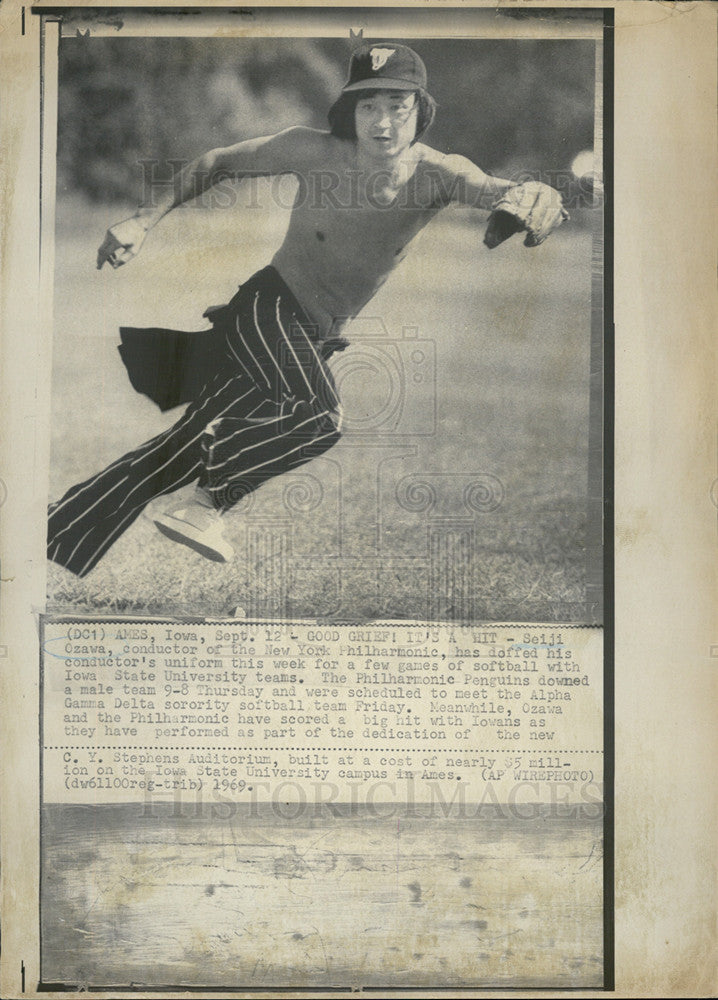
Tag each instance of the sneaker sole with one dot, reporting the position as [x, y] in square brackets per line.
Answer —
[176, 535]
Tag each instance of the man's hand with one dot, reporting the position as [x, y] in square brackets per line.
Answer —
[533, 207]
[121, 243]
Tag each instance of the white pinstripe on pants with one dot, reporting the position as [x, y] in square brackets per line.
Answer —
[273, 407]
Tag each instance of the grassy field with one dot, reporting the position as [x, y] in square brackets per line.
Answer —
[355, 534]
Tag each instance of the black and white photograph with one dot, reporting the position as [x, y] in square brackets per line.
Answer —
[321, 679]
[327, 347]
[358, 499]
[356, 287]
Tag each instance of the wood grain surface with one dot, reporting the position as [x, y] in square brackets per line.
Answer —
[250, 899]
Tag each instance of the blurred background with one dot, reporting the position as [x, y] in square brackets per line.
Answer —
[510, 105]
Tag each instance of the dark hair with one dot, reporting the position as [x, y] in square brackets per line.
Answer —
[341, 113]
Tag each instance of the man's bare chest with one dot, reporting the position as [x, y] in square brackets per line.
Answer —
[347, 210]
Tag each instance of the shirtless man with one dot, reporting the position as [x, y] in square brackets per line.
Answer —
[366, 188]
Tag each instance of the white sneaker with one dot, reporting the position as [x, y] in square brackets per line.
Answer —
[198, 527]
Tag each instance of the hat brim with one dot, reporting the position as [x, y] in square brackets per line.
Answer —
[382, 83]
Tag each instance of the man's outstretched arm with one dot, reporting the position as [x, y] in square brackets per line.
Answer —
[291, 151]
[532, 206]
[460, 181]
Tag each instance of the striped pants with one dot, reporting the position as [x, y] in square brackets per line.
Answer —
[271, 409]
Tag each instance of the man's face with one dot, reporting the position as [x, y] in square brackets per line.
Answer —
[385, 122]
